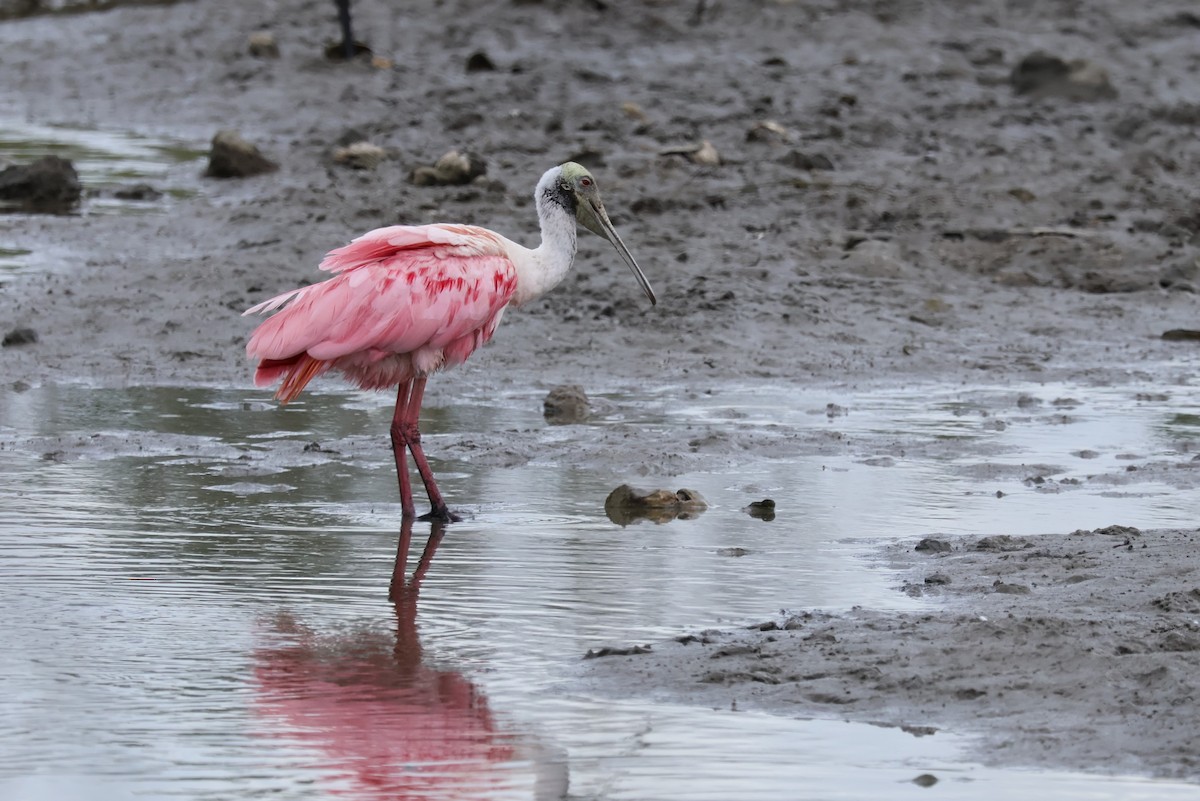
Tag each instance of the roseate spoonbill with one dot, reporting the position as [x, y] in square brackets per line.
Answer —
[406, 301]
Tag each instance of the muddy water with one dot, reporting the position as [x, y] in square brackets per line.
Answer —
[196, 606]
[106, 162]
[111, 167]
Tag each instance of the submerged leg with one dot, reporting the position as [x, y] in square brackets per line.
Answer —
[413, 436]
[403, 594]
[397, 589]
[399, 442]
[401, 587]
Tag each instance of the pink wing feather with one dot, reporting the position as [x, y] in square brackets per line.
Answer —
[404, 300]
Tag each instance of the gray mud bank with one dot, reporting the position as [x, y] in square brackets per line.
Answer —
[1079, 650]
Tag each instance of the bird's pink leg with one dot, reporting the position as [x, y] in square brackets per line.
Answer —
[399, 441]
[439, 511]
[399, 584]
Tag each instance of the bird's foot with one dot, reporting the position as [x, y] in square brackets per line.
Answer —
[442, 514]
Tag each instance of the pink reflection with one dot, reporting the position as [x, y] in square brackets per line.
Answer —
[390, 726]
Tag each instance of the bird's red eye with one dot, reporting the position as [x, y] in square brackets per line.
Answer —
[585, 181]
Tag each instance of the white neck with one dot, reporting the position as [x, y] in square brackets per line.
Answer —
[541, 269]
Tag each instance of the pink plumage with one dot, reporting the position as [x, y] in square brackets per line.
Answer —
[404, 301]
[407, 300]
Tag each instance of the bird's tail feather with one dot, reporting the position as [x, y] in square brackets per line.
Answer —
[296, 372]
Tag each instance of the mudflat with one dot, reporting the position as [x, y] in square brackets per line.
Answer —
[891, 195]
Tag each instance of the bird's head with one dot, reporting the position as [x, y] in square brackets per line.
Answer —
[577, 191]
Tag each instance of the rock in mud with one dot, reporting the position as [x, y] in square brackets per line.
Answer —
[10, 9]
[1181, 335]
[633, 650]
[707, 154]
[144, 192]
[875, 258]
[879, 461]
[768, 131]
[763, 510]
[931, 545]
[565, 405]
[1002, 543]
[702, 152]
[799, 160]
[360, 155]
[453, 169]
[627, 504]
[19, 336]
[231, 156]
[480, 61]
[48, 184]
[633, 111]
[1127, 532]
[262, 44]
[1042, 75]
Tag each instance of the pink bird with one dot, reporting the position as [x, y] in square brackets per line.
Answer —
[409, 300]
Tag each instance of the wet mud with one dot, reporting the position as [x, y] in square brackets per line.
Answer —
[1053, 649]
[839, 195]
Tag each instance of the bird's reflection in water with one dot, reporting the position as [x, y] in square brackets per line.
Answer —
[390, 726]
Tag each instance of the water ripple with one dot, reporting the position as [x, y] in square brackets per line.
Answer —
[168, 637]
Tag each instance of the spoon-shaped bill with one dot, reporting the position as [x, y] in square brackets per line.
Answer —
[595, 219]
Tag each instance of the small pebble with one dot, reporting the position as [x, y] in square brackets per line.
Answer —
[479, 61]
[47, 184]
[262, 44]
[566, 404]
[231, 156]
[633, 111]
[806, 161]
[767, 131]
[762, 510]
[626, 504]
[452, 169]
[359, 156]
[703, 152]
[20, 336]
[1041, 75]
[137, 192]
[931, 545]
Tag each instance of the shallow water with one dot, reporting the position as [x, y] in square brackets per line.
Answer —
[197, 607]
[106, 161]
